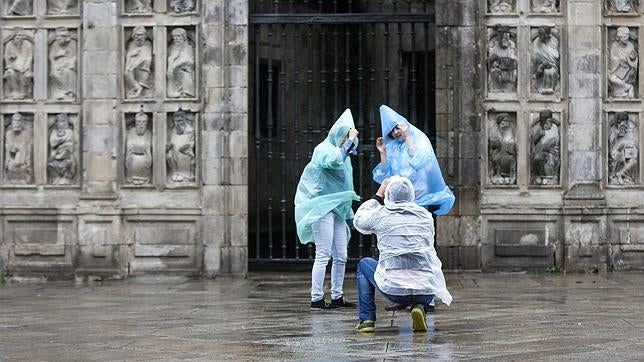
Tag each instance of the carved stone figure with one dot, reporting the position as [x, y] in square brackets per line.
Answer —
[181, 66]
[182, 6]
[62, 64]
[18, 7]
[624, 151]
[138, 151]
[501, 6]
[62, 7]
[139, 6]
[61, 163]
[622, 65]
[502, 62]
[138, 65]
[503, 151]
[18, 151]
[180, 150]
[18, 65]
[545, 6]
[545, 60]
[622, 6]
[545, 140]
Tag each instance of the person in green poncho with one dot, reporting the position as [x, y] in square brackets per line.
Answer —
[323, 206]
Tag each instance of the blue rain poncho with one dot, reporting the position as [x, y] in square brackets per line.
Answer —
[421, 168]
[408, 264]
[326, 184]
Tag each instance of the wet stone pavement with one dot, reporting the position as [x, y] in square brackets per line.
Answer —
[573, 317]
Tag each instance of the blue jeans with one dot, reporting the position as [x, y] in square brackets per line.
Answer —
[367, 287]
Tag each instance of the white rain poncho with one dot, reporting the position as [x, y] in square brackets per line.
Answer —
[326, 184]
[408, 264]
[422, 168]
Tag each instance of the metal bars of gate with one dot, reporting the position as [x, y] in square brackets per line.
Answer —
[306, 69]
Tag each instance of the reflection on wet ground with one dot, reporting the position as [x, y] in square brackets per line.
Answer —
[266, 317]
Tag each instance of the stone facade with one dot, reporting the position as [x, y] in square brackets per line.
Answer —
[122, 123]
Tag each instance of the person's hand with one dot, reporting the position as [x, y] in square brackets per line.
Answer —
[404, 129]
[382, 188]
[353, 133]
[380, 145]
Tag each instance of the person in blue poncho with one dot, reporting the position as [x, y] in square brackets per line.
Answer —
[406, 151]
[323, 206]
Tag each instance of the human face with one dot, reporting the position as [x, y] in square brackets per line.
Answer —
[139, 38]
[397, 134]
[141, 125]
[622, 36]
[547, 123]
[61, 124]
[180, 124]
[16, 123]
[505, 40]
[178, 38]
[18, 39]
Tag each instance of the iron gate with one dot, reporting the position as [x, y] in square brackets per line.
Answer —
[309, 61]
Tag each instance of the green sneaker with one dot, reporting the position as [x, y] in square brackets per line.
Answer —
[418, 318]
[367, 326]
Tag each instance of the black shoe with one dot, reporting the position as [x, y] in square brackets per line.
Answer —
[341, 303]
[321, 305]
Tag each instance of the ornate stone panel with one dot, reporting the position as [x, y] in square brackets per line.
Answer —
[502, 148]
[18, 155]
[63, 7]
[181, 71]
[545, 6]
[545, 72]
[502, 60]
[622, 62]
[138, 148]
[545, 148]
[620, 7]
[181, 148]
[137, 7]
[62, 149]
[182, 7]
[623, 149]
[501, 6]
[17, 64]
[63, 64]
[138, 63]
[17, 8]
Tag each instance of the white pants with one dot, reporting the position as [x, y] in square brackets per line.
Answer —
[330, 234]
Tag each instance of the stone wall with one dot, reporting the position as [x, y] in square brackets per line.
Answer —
[124, 137]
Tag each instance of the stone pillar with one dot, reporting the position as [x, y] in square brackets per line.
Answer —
[584, 205]
[225, 133]
[458, 130]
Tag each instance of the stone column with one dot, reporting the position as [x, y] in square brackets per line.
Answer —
[584, 199]
[458, 130]
[225, 134]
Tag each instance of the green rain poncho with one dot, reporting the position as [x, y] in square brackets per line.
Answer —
[326, 184]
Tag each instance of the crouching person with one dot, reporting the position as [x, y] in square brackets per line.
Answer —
[408, 271]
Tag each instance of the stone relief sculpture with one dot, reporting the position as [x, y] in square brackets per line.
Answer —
[181, 66]
[545, 60]
[623, 151]
[182, 6]
[502, 61]
[18, 7]
[62, 64]
[138, 151]
[545, 150]
[501, 6]
[622, 6]
[62, 7]
[61, 162]
[18, 65]
[622, 65]
[18, 147]
[180, 149]
[138, 65]
[138, 6]
[545, 6]
[502, 150]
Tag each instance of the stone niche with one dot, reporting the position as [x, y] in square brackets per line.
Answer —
[63, 159]
[137, 7]
[502, 148]
[520, 244]
[502, 64]
[63, 7]
[623, 149]
[182, 149]
[17, 64]
[63, 55]
[182, 7]
[545, 148]
[181, 70]
[138, 63]
[138, 149]
[545, 6]
[41, 243]
[18, 8]
[163, 243]
[622, 63]
[18, 149]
